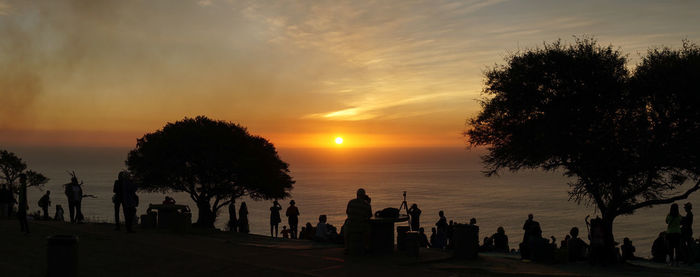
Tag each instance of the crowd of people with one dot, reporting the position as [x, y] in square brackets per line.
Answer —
[673, 246]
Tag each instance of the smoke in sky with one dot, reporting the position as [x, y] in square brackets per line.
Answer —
[34, 46]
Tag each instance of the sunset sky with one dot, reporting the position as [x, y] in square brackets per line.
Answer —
[301, 73]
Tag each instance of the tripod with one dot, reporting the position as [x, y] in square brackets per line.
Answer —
[404, 205]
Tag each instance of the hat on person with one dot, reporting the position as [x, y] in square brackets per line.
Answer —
[292, 202]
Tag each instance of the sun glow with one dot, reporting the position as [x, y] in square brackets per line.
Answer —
[338, 140]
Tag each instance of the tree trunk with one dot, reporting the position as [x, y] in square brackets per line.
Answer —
[206, 215]
[609, 250]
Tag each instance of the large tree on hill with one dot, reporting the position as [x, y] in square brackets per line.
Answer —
[215, 162]
[628, 139]
[11, 167]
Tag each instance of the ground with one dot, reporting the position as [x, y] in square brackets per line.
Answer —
[105, 252]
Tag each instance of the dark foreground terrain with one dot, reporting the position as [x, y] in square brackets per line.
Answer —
[105, 252]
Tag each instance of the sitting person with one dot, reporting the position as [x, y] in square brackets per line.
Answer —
[659, 249]
[565, 242]
[169, 201]
[627, 250]
[423, 239]
[303, 232]
[321, 229]
[500, 240]
[434, 240]
[577, 248]
[59, 213]
[285, 232]
[487, 245]
[310, 232]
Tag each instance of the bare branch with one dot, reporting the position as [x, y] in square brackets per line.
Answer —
[662, 201]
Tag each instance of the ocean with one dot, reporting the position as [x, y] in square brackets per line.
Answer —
[447, 179]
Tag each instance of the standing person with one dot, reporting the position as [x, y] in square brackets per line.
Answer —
[359, 212]
[5, 200]
[44, 203]
[22, 205]
[243, 218]
[442, 226]
[275, 218]
[117, 200]
[414, 212]
[129, 200]
[673, 233]
[687, 242]
[74, 192]
[293, 218]
[232, 220]
[529, 227]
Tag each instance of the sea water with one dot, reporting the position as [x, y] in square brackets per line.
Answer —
[436, 179]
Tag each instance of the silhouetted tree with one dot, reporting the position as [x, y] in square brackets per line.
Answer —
[629, 140]
[214, 161]
[12, 166]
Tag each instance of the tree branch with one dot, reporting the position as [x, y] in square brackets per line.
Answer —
[663, 201]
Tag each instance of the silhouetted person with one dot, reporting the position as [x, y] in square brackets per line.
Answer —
[423, 239]
[74, 192]
[232, 220]
[359, 211]
[500, 240]
[275, 218]
[59, 214]
[565, 243]
[243, 218]
[627, 250]
[450, 235]
[659, 250]
[5, 200]
[442, 226]
[576, 247]
[322, 228]
[310, 232]
[45, 203]
[129, 200]
[687, 242]
[599, 253]
[22, 204]
[285, 232]
[414, 212]
[293, 218]
[673, 233]
[117, 201]
[530, 228]
[434, 239]
[486, 245]
[169, 201]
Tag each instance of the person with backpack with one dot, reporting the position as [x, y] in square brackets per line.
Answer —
[44, 203]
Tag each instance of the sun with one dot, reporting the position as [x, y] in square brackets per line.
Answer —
[338, 140]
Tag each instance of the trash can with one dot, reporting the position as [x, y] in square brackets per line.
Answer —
[401, 237]
[412, 243]
[466, 241]
[62, 256]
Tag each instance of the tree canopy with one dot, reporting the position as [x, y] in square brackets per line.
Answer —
[628, 138]
[215, 162]
[11, 166]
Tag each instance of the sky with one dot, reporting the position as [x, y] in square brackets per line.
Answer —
[300, 73]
